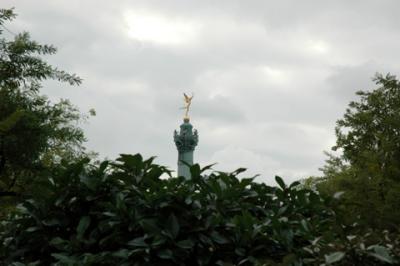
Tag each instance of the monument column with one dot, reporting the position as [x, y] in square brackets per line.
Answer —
[186, 141]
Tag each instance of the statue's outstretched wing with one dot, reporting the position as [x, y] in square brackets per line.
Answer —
[187, 98]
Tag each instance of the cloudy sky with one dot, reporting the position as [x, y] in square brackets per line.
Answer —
[270, 78]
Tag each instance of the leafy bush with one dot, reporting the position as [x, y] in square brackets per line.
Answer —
[125, 213]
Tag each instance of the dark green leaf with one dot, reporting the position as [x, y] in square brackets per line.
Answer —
[280, 182]
[138, 242]
[122, 253]
[172, 225]
[165, 254]
[51, 222]
[83, 225]
[185, 244]
[218, 238]
[195, 170]
[64, 258]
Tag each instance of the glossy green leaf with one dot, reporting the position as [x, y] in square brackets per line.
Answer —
[334, 257]
[382, 254]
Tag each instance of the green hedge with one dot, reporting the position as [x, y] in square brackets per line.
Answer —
[126, 213]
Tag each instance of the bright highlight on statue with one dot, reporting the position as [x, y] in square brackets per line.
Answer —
[188, 102]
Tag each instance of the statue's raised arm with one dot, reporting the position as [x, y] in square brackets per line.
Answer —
[188, 102]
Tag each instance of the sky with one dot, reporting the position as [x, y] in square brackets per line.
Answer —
[270, 78]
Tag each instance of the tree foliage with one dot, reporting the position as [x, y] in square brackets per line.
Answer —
[34, 133]
[123, 213]
[369, 168]
[369, 132]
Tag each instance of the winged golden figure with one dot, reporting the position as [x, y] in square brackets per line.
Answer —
[188, 102]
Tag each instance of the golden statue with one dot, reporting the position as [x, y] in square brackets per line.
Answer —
[188, 102]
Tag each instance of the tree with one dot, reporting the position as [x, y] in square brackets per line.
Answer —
[368, 169]
[370, 130]
[34, 133]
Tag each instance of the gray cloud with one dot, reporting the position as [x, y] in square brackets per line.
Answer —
[347, 80]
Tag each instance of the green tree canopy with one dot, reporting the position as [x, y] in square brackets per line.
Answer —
[368, 136]
[34, 133]
[369, 133]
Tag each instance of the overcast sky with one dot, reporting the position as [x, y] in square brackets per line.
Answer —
[270, 78]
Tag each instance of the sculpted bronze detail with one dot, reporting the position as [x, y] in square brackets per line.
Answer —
[188, 102]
